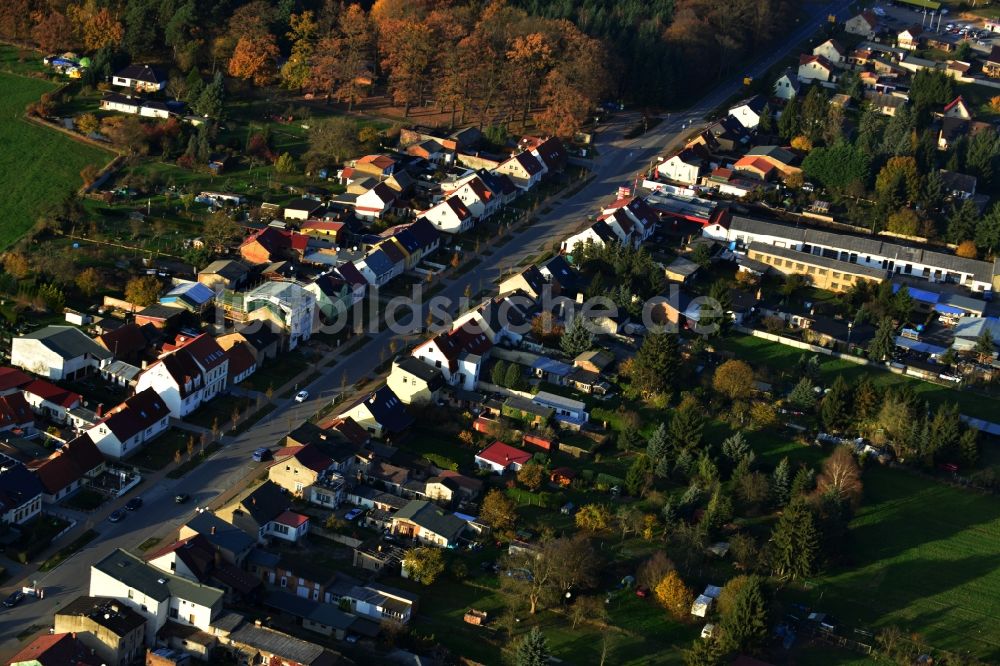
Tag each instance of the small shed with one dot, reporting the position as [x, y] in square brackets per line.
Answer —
[681, 270]
[476, 617]
[701, 605]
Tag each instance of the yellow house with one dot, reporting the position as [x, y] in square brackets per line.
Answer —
[414, 381]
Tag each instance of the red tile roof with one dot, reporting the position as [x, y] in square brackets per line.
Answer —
[72, 462]
[15, 411]
[379, 161]
[309, 456]
[292, 519]
[12, 378]
[350, 429]
[143, 410]
[953, 103]
[752, 162]
[56, 650]
[458, 208]
[502, 454]
[124, 341]
[54, 394]
[241, 359]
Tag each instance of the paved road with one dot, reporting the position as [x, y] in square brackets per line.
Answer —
[619, 161]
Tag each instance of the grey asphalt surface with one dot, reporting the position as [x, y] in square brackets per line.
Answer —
[618, 163]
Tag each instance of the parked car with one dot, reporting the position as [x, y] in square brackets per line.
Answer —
[262, 454]
[353, 513]
[14, 599]
[301, 396]
[116, 516]
[181, 498]
[133, 504]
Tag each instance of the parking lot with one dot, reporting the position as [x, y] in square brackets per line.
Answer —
[896, 17]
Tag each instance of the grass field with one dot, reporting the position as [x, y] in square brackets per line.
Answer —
[37, 166]
[926, 558]
[758, 351]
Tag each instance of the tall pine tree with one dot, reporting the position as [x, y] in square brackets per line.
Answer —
[687, 425]
[533, 650]
[745, 624]
[795, 542]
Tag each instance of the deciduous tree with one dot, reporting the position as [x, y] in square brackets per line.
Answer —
[143, 290]
[674, 595]
[424, 564]
[841, 477]
[254, 58]
[734, 379]
[593, 518]
[531, 475]
[498, 511]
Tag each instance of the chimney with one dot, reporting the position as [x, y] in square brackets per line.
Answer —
[100, 409]
[213, 529]
[256, 623]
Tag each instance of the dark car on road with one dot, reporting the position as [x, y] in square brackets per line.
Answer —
[14, 599]
[116, 516]
[133, 504]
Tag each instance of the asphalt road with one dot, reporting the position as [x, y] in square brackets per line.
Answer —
[618, 162]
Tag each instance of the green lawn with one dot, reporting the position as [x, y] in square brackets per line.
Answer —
[926, 559]
[38, 166]
[781, 358]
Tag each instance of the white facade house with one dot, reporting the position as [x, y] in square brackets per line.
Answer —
[132, 424]
[157, 595]
[477, 198]
[748, 111]
[188, 376]
[459, 354]
[375, 203]
[787, 86]
[684, 167]
[57, 352]
[873, 252]
[450, 216]
[141, 78]
[815, 68]
[832, 51]
[288, 305]
[381, 603]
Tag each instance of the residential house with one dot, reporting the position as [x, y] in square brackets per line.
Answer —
[195, 559]
[69, 468]
[192, 373]
[263, 512]
[501, 319]
[344, 441]
[380, 412]
[523, 169]
[377, 166]
[16, 416]
[427, 238]
[450, 216]
[406, 242]
[382, 603]
[865, 251]
[259, 337]
[132, 424]
[832, 51]
[303, 209]
[51, 401]
[499, 458]
[231, 543]
[594, 361]
[864, 24]
[526, 410]
[242, 363]
[886, 104]
[730, 134]
[749, 111]
[953, 129]
[125, 343]
[308, 472]
[378, 268]
[530, 282]
[784, 161]
[57, 352]
[12, 381]
[141, 78]
[333, 295]
[55, 650]
[459, 354]
[787, 86]
[328, 230]
[20, 492]
[449, 486]
[551, 153]
[110, 629]
[191, 296]
[686, 166]
[430, 150]
[375, 203]
[427, 524]
[477, 197]
[815, 68]
[160, 597]
[991, 67]
[957, 108]
[958, 185]
[414, 381]
[599, 234]
[632, 220]
[909, 38]
[223, 274]
[287, 306]
[271, 244]
[755, 167]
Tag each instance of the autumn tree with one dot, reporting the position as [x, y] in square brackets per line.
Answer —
[331, 140]
[498, 511]
[220, 230]
[97, 28]
[296, 71]
[143, 290]
[903, 221]
[734, 379]
[89, 281]
[17, 265]
[253, 59]
[343, 58]
[87, 123]
[674, 595]
[52, 30]
[531, 474]
[423, 564]
[841, 477]
[967, 249]
[558, 565]
[407, 53]
[593, 518]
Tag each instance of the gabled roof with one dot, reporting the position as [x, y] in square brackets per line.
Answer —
[807, 58]
[304, 204]
[143, 410]
[193, 293]
[204, 350]
[425, 232]
[527, 162]
[276, 241]
[552, 153]
[458, 208]
[912, 31]
[265, 502]
[432, 518]
[241, 359]
[427, 373]
[12, 378]
[291, 519]
[502, 454]
[138, 575]
[124, 341]
[198, 554]
[72, 462]
[955, 102]
[870, 18]
[285, 648]
[384, 193]
[378, 262]
[382, 162]
[229, 269]
[351, 430]
[351, 275]
[958, 182]
[751, 162]
[499, 183]
[309, 456]
[776, 153]
[392, 251]
[15, 411]
[408, 240]
[322, 225]
[56, 650]
[755, 104]
[54, 394]
[18, 486]
[388, 410]
[143, 73]
[220, 533]
[833, 43]
[68, 342]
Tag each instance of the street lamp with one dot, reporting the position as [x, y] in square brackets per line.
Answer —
[850, 327]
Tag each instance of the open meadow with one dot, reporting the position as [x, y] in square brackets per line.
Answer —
[37, 166]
